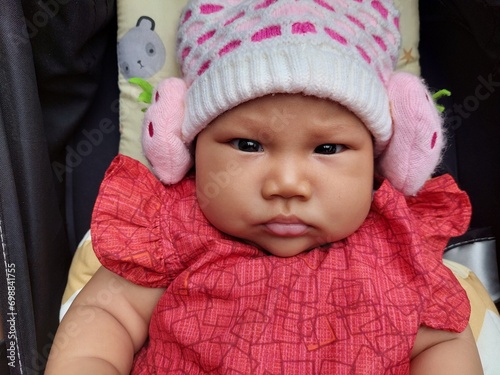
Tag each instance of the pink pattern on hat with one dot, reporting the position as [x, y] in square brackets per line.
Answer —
[253, 21]
[380, 42]
[364, 54]
[229, 47]
[339, 38]
[325, 5]
[204, 67]
[202, 39]
[265, 4]
[303, 28]
[355, 21]
[266, 33]
[187, 16]
[231, 20]
[380, 8]
[210, 8]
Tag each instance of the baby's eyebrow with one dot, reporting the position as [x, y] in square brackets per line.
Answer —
[334, 124]
[253, 117]
[249, 121]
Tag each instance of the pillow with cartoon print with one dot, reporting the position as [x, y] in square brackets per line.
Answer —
[409, 25]
[146, 50]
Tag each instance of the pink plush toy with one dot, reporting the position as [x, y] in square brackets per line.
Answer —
[162, 142]
[414, 150]
[233, 51]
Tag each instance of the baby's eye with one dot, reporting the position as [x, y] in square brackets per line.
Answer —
[329, 149]
[246, 145]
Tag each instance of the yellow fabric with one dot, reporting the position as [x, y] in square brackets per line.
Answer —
[409, 24]
[83, 266]
[479, 298]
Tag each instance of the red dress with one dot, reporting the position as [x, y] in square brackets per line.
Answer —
[352, 307]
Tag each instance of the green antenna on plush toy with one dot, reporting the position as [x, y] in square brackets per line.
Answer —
[146, 95]
[438, 95]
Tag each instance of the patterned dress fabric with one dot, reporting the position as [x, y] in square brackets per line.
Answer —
[351, 307]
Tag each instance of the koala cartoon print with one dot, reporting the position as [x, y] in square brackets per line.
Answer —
[141, 53]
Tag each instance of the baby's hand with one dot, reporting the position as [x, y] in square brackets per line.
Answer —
[161, 135]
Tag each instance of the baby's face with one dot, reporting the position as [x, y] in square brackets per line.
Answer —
[286, 173]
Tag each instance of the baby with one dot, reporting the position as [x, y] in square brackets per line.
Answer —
[308, 239]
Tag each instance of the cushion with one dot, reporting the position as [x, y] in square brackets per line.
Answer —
[484, 320]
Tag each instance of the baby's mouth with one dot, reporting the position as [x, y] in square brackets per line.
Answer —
[286, 227]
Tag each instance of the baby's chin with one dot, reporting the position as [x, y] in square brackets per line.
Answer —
[286, 251]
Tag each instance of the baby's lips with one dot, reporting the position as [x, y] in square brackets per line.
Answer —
[287, 229]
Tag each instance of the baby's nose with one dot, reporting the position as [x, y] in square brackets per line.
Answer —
[287, 179]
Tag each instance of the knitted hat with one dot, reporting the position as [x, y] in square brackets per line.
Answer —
[232, 51]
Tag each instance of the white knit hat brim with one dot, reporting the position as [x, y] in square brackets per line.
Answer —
[324, 73]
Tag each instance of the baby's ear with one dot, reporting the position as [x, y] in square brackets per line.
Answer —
[169, 156]
[414, 150]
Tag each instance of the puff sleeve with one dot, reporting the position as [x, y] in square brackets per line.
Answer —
[128, 235]
[419, 228]
[441, 210]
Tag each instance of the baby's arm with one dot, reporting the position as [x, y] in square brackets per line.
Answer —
[441, 352]
[107, 323]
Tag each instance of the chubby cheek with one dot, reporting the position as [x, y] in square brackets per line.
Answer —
[361, 205]
[346, 205]
[359, 210]
[215, 211]
[218, 180]
[218, 198]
